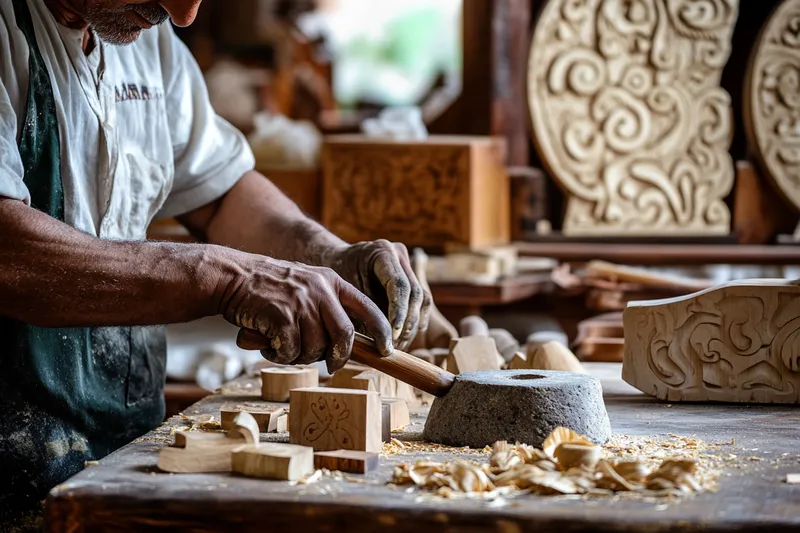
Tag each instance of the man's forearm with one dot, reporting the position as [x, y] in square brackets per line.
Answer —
[53, 275]
[282, 231]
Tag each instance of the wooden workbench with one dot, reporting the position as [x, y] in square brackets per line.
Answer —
[125, 492]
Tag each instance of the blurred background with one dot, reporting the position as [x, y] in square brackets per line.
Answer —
[548, 160]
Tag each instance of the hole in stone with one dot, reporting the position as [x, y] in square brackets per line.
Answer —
[527, 376]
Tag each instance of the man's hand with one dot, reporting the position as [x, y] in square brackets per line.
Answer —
[301, 311]
[382, 270]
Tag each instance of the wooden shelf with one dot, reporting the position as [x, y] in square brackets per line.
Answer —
[665, 254]
[508, 290]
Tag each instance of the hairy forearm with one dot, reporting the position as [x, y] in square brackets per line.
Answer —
[53, 275]
[255, 216]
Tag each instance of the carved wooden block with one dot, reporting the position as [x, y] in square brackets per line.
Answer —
[629, 116]
[283, 462]
[469, 354]
[276, 382]
[334, 419]
[772, 100]
[265, 417]
[347, 461]
[738, 342]
[360, 377]
[424, 193]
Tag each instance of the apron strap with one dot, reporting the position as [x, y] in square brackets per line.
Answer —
[40, 147]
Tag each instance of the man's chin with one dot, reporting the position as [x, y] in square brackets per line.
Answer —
[119, 38]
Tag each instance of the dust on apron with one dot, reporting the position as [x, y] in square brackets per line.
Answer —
[67, 395]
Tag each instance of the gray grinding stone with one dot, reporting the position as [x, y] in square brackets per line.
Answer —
[517, 406]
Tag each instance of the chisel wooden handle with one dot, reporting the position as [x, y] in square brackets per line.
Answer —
[399, 365]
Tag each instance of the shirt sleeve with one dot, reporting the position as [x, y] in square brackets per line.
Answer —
[12, 171]
[210, 154]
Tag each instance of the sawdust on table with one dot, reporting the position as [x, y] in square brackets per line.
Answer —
[627, 467]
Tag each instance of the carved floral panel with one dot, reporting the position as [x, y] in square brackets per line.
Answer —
[628, 114]
[772, 100]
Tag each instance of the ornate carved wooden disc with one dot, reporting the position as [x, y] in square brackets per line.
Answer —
[628, 114]
[772, 100]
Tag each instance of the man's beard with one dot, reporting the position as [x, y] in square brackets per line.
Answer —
[113, 27]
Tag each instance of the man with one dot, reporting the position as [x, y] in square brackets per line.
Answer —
[104, 125]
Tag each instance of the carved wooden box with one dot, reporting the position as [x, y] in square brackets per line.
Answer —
[738, 342]
[421, 193]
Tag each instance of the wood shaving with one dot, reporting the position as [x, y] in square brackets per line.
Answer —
[398, 447]
[649, 468]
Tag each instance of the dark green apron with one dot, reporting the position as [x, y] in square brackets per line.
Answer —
[67, 395]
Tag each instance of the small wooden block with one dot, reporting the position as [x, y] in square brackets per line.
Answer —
[196, 452]
[282, 425]
[518, 362]
[398, 413]
[386, 422]
[347, 461]
[469, 354]
[245, 427]
[276, 382]
[266, 417]
[334, 419]
[343, 378]
[284, 462]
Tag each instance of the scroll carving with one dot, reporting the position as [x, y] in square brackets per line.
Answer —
[772, 100]
[628, 113]
[738, 342]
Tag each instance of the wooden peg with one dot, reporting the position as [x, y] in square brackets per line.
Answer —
[284, 462]
[277, 381]
[347, 461]
[333, 419]
[265, 417]
[245, 427]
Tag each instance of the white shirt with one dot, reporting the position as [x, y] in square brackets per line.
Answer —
[139, 139]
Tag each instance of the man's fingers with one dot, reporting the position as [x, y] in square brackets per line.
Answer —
[415, 300]
[364, 310]
[314, 340]
[391, 275]
[249, 339]
[341, 332]
[284, 346]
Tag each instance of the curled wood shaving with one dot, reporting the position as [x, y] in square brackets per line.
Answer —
[562, 435]
[573, 468]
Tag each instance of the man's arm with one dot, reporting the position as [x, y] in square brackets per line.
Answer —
[53, 275]
[257, 217]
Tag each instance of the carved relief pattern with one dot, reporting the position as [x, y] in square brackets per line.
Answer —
[330, 419]
[726, 344]
[772, 105]
[421, 201]
[628, 113]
